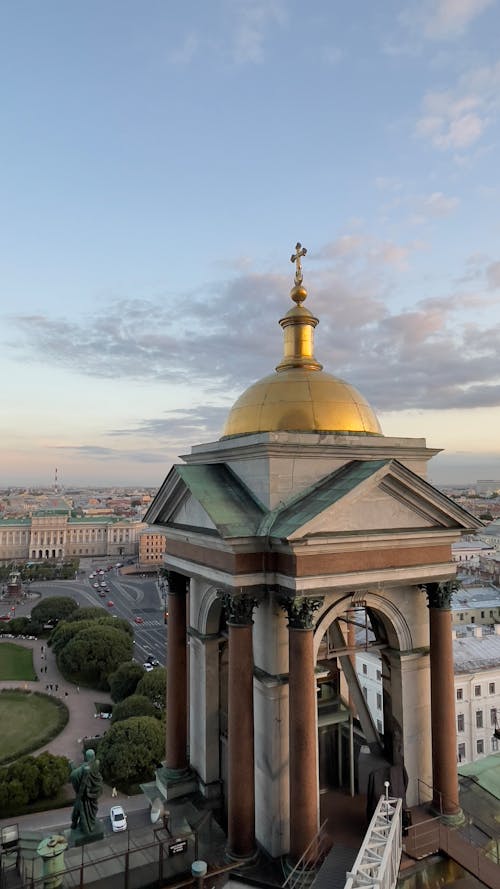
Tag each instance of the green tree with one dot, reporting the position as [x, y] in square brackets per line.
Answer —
[123, 682]
[153, 685]
[54, 608]
[135, 705]
[27, 772]
[131, 750]
[53, 771]
[19, 626]
[93, 653]
[18, 796]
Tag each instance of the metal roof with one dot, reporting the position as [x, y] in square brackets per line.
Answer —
[227, 501]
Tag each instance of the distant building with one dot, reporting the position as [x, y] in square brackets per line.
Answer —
[58, 534]
[487, 486]
[476, 605]
[477, 692]
[152, 545]
[470, 551]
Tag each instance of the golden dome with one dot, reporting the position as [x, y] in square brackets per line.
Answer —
[300, 396]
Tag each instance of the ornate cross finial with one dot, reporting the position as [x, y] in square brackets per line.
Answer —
[296, 257]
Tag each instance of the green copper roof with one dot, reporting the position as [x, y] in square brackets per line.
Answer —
[227, 501]
[284, 520]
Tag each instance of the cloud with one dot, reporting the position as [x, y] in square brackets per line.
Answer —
[493, 275]
[185, 52]
[251, 22]
[95, 452]
[445, 19]
[455, 119]
[220, 339]
[440, 19]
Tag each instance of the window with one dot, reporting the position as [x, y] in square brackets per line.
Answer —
[480, 746]
[493, 716]
[482, 613]
[494, 745]
[461, 617]
[460, 722]
[479, 718]
[477, 691]
[365, 669]
[461, 752]
[379, 725]
[379, 701]
[491, 688]
[460, 694]
[379, 675]
[365, 692]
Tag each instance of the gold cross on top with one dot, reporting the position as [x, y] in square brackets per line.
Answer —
[300, 251]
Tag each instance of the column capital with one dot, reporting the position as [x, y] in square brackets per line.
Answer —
[439, 595]
[177, 583]
[300, 610]
[238, 607]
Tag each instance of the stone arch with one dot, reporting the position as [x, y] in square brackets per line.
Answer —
[398, 631]
[209, 612]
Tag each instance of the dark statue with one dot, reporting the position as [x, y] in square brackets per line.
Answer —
[87, 783]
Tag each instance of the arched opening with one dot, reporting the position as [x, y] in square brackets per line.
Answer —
[360, 731]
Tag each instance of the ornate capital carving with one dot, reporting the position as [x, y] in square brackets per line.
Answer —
[439, 595]
[300, 611]
[177, 583]
[238, 608]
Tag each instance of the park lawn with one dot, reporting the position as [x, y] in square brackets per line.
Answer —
[16, 662]
[29, 720]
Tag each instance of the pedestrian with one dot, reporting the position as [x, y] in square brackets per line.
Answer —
[114, 793]
[50, 686]
[46, 688]
[78, 689]
[57, 686]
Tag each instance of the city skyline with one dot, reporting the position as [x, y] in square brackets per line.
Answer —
[159, 165]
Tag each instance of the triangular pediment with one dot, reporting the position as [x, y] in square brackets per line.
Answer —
[206, 497]
[369, 496]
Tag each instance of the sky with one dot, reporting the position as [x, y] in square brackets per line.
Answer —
[159, 162]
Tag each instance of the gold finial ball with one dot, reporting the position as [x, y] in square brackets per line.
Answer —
[298, 293]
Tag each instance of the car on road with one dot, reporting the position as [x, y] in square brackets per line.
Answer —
[153, 661]
[118, 818]
[139, 620]
[103, 583]
[110, 603]
[102, 594]
[148, 667]
[96, 586]
[4, 616]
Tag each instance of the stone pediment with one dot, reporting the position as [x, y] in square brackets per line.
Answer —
[206, 497]
[368, 496]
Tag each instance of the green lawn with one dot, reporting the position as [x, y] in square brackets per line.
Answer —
[16, 662]
[29, 720]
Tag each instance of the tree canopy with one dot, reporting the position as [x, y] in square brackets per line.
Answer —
[134, 705]
[53, 608]
[153, 685]
[123, 682]
[131, 750]
[92, 654]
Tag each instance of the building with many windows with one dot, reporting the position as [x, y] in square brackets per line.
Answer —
[152, 545]
[477, 693]
[60, 534]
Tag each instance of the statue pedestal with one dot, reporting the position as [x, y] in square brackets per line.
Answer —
[51, 850]
[79, 838]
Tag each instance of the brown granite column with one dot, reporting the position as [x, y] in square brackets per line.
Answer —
[241, 777]
[303, 735]
[176, 761]
[444, 730]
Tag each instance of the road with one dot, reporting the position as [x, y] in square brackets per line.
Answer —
[132, 596]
